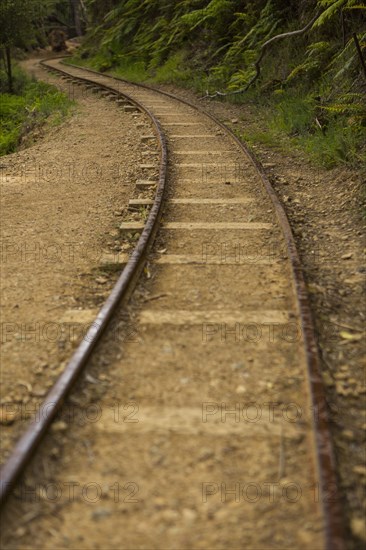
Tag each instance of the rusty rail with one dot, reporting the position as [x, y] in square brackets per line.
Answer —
[29, 441]
[329, 494]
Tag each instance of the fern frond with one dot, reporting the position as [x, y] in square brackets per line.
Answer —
[329, 12]
[344, 109]
[303, 69]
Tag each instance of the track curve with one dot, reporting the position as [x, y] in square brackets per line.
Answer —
[170, 117]
[31, 438]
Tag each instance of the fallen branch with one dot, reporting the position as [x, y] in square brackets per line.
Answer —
[261, 55]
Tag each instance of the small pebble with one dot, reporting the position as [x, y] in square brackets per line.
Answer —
[38, 391]
[59, 426]
[348, 434]
[169, 515]
[360, 469]
[189, 515]
[206, 454]
[358, 528]
[101, 513]
[7, 417]
[237, 366]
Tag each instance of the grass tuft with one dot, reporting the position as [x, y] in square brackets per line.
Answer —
[32, 104]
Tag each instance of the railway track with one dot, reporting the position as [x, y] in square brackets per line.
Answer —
[224, 439]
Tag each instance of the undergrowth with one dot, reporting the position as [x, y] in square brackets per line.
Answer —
[32, 104]
[312, 87]
[329, 136]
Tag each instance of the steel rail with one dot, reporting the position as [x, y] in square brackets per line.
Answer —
[328, 489]
[28, 442]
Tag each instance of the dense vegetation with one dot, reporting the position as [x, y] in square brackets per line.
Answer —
[313, 83]
[26, 24]
[27, 108]
[24, 103]
[310, 86]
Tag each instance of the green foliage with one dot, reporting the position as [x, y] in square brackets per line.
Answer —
[243, 50]
[35, 104]
[12, 110]
[213, 13]
[316, 57]
[21, 25]
[21, 20]
[172, 71]
[313, 83]
[340, 145]
[215, 35]
[332, 7]
[133, 71]
[349, 104]
[20, 81]
[294, 114]
[342, 136]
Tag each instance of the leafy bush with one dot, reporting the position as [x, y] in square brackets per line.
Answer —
[31, 106]
[340, 145]
[21, 80]
[294, 114]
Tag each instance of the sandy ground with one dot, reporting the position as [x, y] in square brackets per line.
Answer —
[326, 212]
[61, 204]
[167, 374]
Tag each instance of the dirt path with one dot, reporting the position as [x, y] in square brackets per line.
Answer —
[61, 204]
[197, 431]
[326, 211]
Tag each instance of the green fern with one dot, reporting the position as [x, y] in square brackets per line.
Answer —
[333, 7]
[349, 104]
[214, 10]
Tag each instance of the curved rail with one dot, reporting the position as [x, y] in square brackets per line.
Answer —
[325, 455]
[330, 498]
[29, 441]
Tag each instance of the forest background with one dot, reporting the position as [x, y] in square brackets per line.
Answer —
[309, 83]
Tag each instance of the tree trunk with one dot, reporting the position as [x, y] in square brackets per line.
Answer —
[9, 71]
[75, 5]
